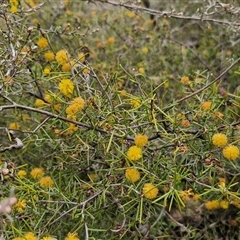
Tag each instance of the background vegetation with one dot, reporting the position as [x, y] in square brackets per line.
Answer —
[115, 126]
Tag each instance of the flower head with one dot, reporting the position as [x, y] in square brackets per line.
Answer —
[230, 152]
[14, 125]
[219, 139]
[47, 238]
[14, 5]
[30, 236]
[66, 67]
[72, 236]
[140, 140]
[186, 194]
[39, 103]
[135, 103]
[224, 204]
[141, 70]
[62, 56]
[205, 106]
[37, 173]
[72, 128]
[49, 56]
[185, 123]
[134, 153]
[150, 191]
[211, 205]
[66, 87]
[110, 40]
[185, 80]
[20, 205]
[42, 42]
[47, 70]
[46, 182]
[132, 174]
[145, 50]
[22, 174]
[13, 8]
[76, 105]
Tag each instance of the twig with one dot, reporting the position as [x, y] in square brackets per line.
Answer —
[178, 223]
[168, 14]
[52, 115]
[83, 204]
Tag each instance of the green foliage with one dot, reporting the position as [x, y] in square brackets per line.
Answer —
[81, 83]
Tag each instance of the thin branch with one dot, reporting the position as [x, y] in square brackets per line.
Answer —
[168, 14]
[52, 115]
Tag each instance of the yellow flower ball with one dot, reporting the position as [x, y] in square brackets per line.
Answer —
[48, 98]
[185, 123]
[134, 153]
[22, 174]
[140, 140]
[132, 175]
[76, 105]
[66, 87]
[72, 236]
[205, 106]
[46, 182]
[30, 236]
[211, 205]
[13, 9]
[150, 191]
[47, 238]
[47, 71]
[14, 125]
[141, 70]
[135, 103]
[42, 42]
[62, 56]
[185, 80]
[145, 50]
[219, 139]
[49, 56]
[39, 103]
[230, 152]
[20, 205]
[37, 173]
[110, 40]
[224, 204]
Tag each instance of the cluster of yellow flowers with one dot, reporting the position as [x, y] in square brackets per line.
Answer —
[186, 195]
[32, 236]
[37, 174]
[216, 204]
[132, 174]
[134, 153]
[13, 5]
[230, 152]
